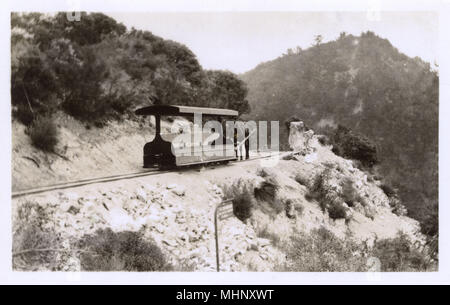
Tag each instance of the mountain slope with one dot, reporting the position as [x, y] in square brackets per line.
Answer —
[286, 230]
[366, 84]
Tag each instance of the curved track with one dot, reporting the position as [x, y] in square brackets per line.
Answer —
[70, 184]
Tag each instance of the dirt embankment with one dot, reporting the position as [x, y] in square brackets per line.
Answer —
[83, 151]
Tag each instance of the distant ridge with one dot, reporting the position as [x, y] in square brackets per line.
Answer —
[362, 82]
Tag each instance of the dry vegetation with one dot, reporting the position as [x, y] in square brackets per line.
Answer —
[43, 133]
[329, 200]
[243, 198]
[37, 246]
[321, 251]
[120, 251]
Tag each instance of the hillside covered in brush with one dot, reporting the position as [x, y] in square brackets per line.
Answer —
[76, 84]
[96, 69]
[363, 83]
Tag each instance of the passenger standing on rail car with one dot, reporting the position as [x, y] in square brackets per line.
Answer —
[235, 143]
[237, 146]
[247, 144]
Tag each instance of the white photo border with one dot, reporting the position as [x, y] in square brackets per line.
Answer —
[7, 276]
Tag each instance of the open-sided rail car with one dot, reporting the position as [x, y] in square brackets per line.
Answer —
[159, 153]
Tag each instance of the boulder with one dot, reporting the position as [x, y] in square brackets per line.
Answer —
[66, 206]
[170, 242]
[300, 137]
[263, 242]
[310, 158]
[141, 195]
[179, 191]
[159, 228]
[290, 209]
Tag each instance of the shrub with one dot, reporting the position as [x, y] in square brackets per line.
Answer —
[323, 140]
[99, 123]
[86, 109]
[309, 196]
[36, 249]
[243, 200]
[433, 247]
[322, 251]
[399, 254]
[329, 200]
[349, 194]
[397, 207]
[122, 251]
[43, 134]
[377, 177]
[23, 113]
[337, 210]
[388, 190]
[348, 144]
[266, 192]
[120, 104]
[273, 237]
[243, 204]
[394, 200]
[34, 244]
[318, 191]
[430, 222]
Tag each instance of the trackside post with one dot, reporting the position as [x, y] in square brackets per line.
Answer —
[221, 215]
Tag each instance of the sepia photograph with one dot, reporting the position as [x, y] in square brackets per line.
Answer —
[231, 141]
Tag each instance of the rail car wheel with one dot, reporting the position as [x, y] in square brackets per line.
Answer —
[166, 167]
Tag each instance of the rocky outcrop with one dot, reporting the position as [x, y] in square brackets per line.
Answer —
[300, 137]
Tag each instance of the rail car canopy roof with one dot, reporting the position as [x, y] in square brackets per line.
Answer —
[183, 110]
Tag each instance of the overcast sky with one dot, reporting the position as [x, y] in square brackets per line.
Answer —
[238, 41]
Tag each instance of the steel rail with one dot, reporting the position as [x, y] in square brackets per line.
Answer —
[83, 182]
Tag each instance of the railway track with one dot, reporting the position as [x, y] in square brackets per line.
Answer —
[83, 182]
[70, 184]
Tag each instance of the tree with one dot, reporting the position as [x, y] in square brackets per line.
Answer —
[80, 73]
[318, 40]
[91, 28]
[96, 69]
[33, 82]
[228, 91]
